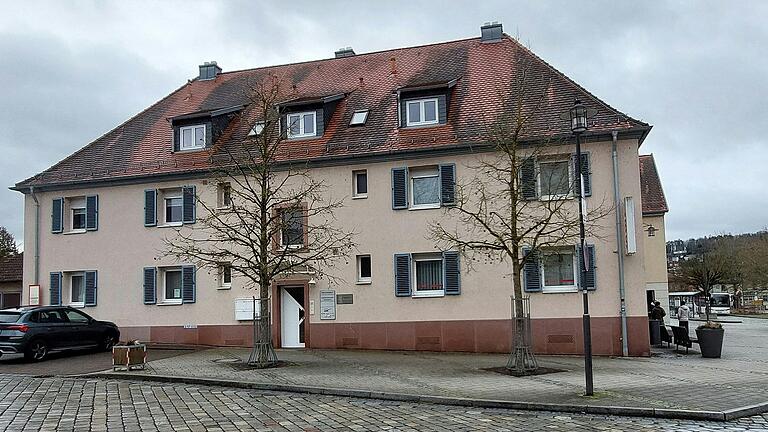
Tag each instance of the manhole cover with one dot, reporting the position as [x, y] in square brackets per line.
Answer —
[227, 360]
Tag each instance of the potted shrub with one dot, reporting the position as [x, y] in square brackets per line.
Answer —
[710, 335]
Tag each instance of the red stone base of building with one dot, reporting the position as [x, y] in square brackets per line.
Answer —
[551, 336]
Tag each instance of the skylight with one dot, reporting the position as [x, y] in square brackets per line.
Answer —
[359, 118]
[257, 129]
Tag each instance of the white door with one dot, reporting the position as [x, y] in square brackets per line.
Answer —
[291, 317]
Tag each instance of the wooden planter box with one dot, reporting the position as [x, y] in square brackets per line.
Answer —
[129, 357]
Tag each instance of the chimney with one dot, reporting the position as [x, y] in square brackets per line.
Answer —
[209, 70]
[345, 52]
[490, 32]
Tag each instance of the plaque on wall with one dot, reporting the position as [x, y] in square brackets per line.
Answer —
[344, 299]
[328, 305]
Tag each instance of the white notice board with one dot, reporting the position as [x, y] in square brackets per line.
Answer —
[328, 305]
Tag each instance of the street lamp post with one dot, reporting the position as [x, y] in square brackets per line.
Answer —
[578, 117]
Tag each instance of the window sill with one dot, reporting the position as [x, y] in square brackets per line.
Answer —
[171, 225]
[424, 207]
[359, 196]
[301, 137]
[77, 305]
[363, 282]
[428, 294]
[224, 287]
[556, 197]
[190, 150]
[169, 303]
[77, 231]
[560, 290]
[421, 125]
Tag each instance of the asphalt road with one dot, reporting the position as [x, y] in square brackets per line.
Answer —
[71, 362]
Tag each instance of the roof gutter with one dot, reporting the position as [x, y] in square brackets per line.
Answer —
[619, 244]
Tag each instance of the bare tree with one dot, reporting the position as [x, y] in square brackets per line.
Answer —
[498, 214]
[278, 220]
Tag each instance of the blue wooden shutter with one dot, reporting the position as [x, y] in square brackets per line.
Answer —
[188, 204]
[399, 188]
[150, 207]
[55, 289]
[589, 282]
[528, 178]
[57, 216]
[447, 184]
[150, 285]
[584, 169]
[92, 212]
[452, 271]
[90, 288]
[188, 284]
[402, 275]
[531, 272]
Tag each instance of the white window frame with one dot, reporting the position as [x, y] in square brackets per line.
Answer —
[71, 286]
[570, 179]
[223, 187]
[300, 115]
[560, 288]
[193, 146]
[358, 114]
[421, 103]
[163, 276]
[360, 279]
[416, 258]
[222, 283]
[167, 198]
[72, 219]
[355, 193]
[411, 176]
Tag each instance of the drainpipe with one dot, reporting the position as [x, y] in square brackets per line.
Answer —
[619, 245]
[37, 235]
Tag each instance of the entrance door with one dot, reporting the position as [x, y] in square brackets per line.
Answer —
[292, 317]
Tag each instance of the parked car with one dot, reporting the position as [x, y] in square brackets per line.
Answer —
[36, 331]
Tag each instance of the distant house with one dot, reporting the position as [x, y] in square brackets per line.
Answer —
[10, 280]
[654, 238]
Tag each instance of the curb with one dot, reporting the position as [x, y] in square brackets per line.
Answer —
[663, 413]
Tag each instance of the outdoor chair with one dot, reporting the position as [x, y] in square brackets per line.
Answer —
[682, 338]
[666, 336]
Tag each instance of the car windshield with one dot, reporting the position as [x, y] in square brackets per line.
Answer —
[719, 300]
[9, 317]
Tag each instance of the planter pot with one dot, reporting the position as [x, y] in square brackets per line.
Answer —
[710, 342]
[129, 357]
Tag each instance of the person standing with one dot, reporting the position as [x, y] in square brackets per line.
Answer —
[682, 314]
[658, 312]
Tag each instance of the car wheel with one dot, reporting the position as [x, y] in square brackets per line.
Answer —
[37, 350]
[107, 342]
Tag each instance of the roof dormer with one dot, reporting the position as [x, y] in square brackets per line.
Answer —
[306, 117]
[424, 105]
[199, 130]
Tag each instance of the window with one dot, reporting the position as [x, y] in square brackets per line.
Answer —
[359, 118]
[173, 209]
[51, 316]
[192, 137]
[77, 212]
[225, 195]
[76, 317]
[558, 267]
[360, 187]
[172, 286]
[428, 269]
[554, 179]
[78, 218]
[225, 275]
[421, 112]
[301, 124]
[363, 269]
[292, 232]
[77, 289]
[257, 129]
[425, 188]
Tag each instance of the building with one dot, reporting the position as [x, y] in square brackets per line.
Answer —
[420, 115]
[654, 238]
[11, 280]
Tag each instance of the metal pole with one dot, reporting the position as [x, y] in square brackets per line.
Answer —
[583, 272]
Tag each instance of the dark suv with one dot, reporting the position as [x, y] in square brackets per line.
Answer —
[36, 331]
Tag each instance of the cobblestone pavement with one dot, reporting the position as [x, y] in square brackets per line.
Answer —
[667, 380]
[67, 404]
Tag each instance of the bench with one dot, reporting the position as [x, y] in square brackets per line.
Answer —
[665, 335]
[682, 338]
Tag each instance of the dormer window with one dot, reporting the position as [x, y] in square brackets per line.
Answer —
[421, 112]
[301, 125]
[192, 137]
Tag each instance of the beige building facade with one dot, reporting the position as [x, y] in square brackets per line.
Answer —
[654, 234]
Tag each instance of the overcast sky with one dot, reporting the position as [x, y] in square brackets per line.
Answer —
[696, 71]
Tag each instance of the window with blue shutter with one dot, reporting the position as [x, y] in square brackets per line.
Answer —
[57, 216]
[452, 269]
[588, 279]
[584, 169]
[150, 285]
[448, 184]
[55, 289]
[402, 275]
[531, 272]
[150, 207]
[399, 188]
[188, 284]
[528, 179]
[188, 204]
[90, 288]
[92, 212]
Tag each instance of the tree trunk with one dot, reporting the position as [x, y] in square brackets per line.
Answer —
[521, 359]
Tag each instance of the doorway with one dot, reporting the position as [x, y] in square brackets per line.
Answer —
[292, 317]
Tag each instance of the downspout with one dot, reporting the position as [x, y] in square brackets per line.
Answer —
[37, 235]
[619, 245]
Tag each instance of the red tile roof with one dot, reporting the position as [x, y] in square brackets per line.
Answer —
[484, 72]
[11, 268]
[651, 191]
